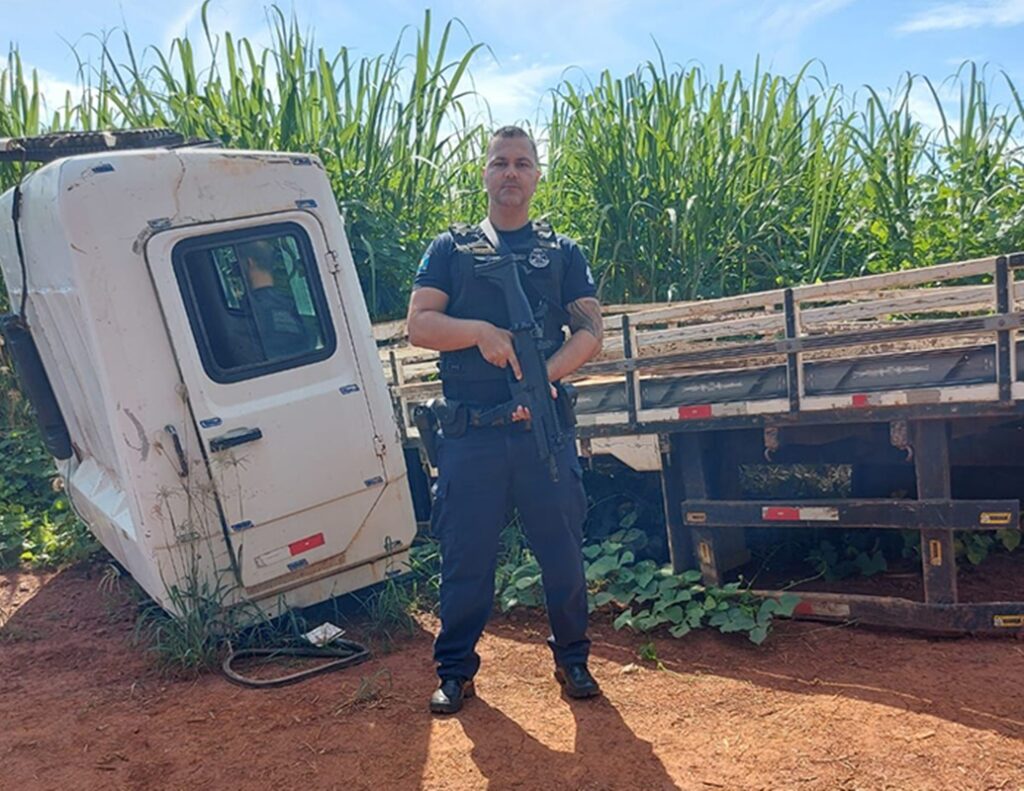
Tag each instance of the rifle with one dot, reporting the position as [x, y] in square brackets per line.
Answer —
[533, 391]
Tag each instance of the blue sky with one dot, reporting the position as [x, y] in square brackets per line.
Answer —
[533, 44]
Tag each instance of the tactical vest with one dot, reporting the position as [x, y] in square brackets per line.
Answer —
[541, 272]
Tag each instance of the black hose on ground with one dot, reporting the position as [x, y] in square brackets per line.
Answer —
[347, 653]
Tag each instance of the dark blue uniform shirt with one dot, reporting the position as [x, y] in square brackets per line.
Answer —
[436, 271]
[281, 329]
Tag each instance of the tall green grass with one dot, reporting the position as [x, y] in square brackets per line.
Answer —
[393, 130]
[682, 182]
[692, 185]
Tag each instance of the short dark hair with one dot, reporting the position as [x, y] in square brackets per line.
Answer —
[515, 131]
[262, 252]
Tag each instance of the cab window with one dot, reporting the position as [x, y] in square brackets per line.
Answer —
[254, 300]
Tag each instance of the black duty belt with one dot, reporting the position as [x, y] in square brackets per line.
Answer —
[483, 417]
[454, 418]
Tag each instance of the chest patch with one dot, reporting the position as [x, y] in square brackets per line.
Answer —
[539, 258]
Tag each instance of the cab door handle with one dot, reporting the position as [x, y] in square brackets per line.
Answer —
[179, 451]
[235, 437]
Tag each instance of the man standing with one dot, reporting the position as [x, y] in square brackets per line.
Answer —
[486, 469]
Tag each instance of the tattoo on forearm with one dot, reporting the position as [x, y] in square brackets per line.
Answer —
[585, 314]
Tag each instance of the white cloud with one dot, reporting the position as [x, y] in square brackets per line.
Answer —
[776, 29]
[240, 18]
[925, 110]
[792, 18]
[54, 91]
[966, 14]
[589, 34]
[515, 94]
[178, 27]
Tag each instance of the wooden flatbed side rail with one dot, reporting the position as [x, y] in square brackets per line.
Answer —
[835, 289]
[903, 311]
[843, 340]
[953, 299]
[960, 299]
[685, 310]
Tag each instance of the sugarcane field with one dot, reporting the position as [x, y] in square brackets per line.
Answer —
[598, 396]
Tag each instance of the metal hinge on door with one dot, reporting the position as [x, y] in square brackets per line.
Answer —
[378, 446]
[332, 262]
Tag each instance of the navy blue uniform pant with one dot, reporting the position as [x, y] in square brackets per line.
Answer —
[481, 475]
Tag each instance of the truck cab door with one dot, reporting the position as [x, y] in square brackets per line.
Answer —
[271, 376]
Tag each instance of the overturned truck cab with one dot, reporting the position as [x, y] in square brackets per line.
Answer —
[199, 320]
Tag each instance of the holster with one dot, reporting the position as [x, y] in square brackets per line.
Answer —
[452, 416]
[566, 404]
[426, 424]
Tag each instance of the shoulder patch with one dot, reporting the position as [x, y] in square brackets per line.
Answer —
[424, 263]
[543, 229]
[545, 234]
[470, 239]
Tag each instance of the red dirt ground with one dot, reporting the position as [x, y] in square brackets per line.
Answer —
[817, 707]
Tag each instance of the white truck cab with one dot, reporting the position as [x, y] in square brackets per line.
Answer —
[200, 320]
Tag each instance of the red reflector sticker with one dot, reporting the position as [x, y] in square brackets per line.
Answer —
[859, 400]
[694, 412]
[780, 514]
[306, 544]
[821, 609]
[788, 513]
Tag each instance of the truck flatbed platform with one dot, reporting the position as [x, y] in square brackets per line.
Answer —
[910, 373]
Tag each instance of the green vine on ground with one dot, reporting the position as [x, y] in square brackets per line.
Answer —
[836, 560]
[866, 554]
[37, 525]
[977, 546]
[650, 596]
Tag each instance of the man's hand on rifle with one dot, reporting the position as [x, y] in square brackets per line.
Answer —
[584, 344]
[497, 348]
[522, 413]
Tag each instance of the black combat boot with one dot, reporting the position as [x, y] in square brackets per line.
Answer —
[447, 698]
[577, 681]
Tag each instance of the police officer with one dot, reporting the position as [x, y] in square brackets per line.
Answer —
[485, 469]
